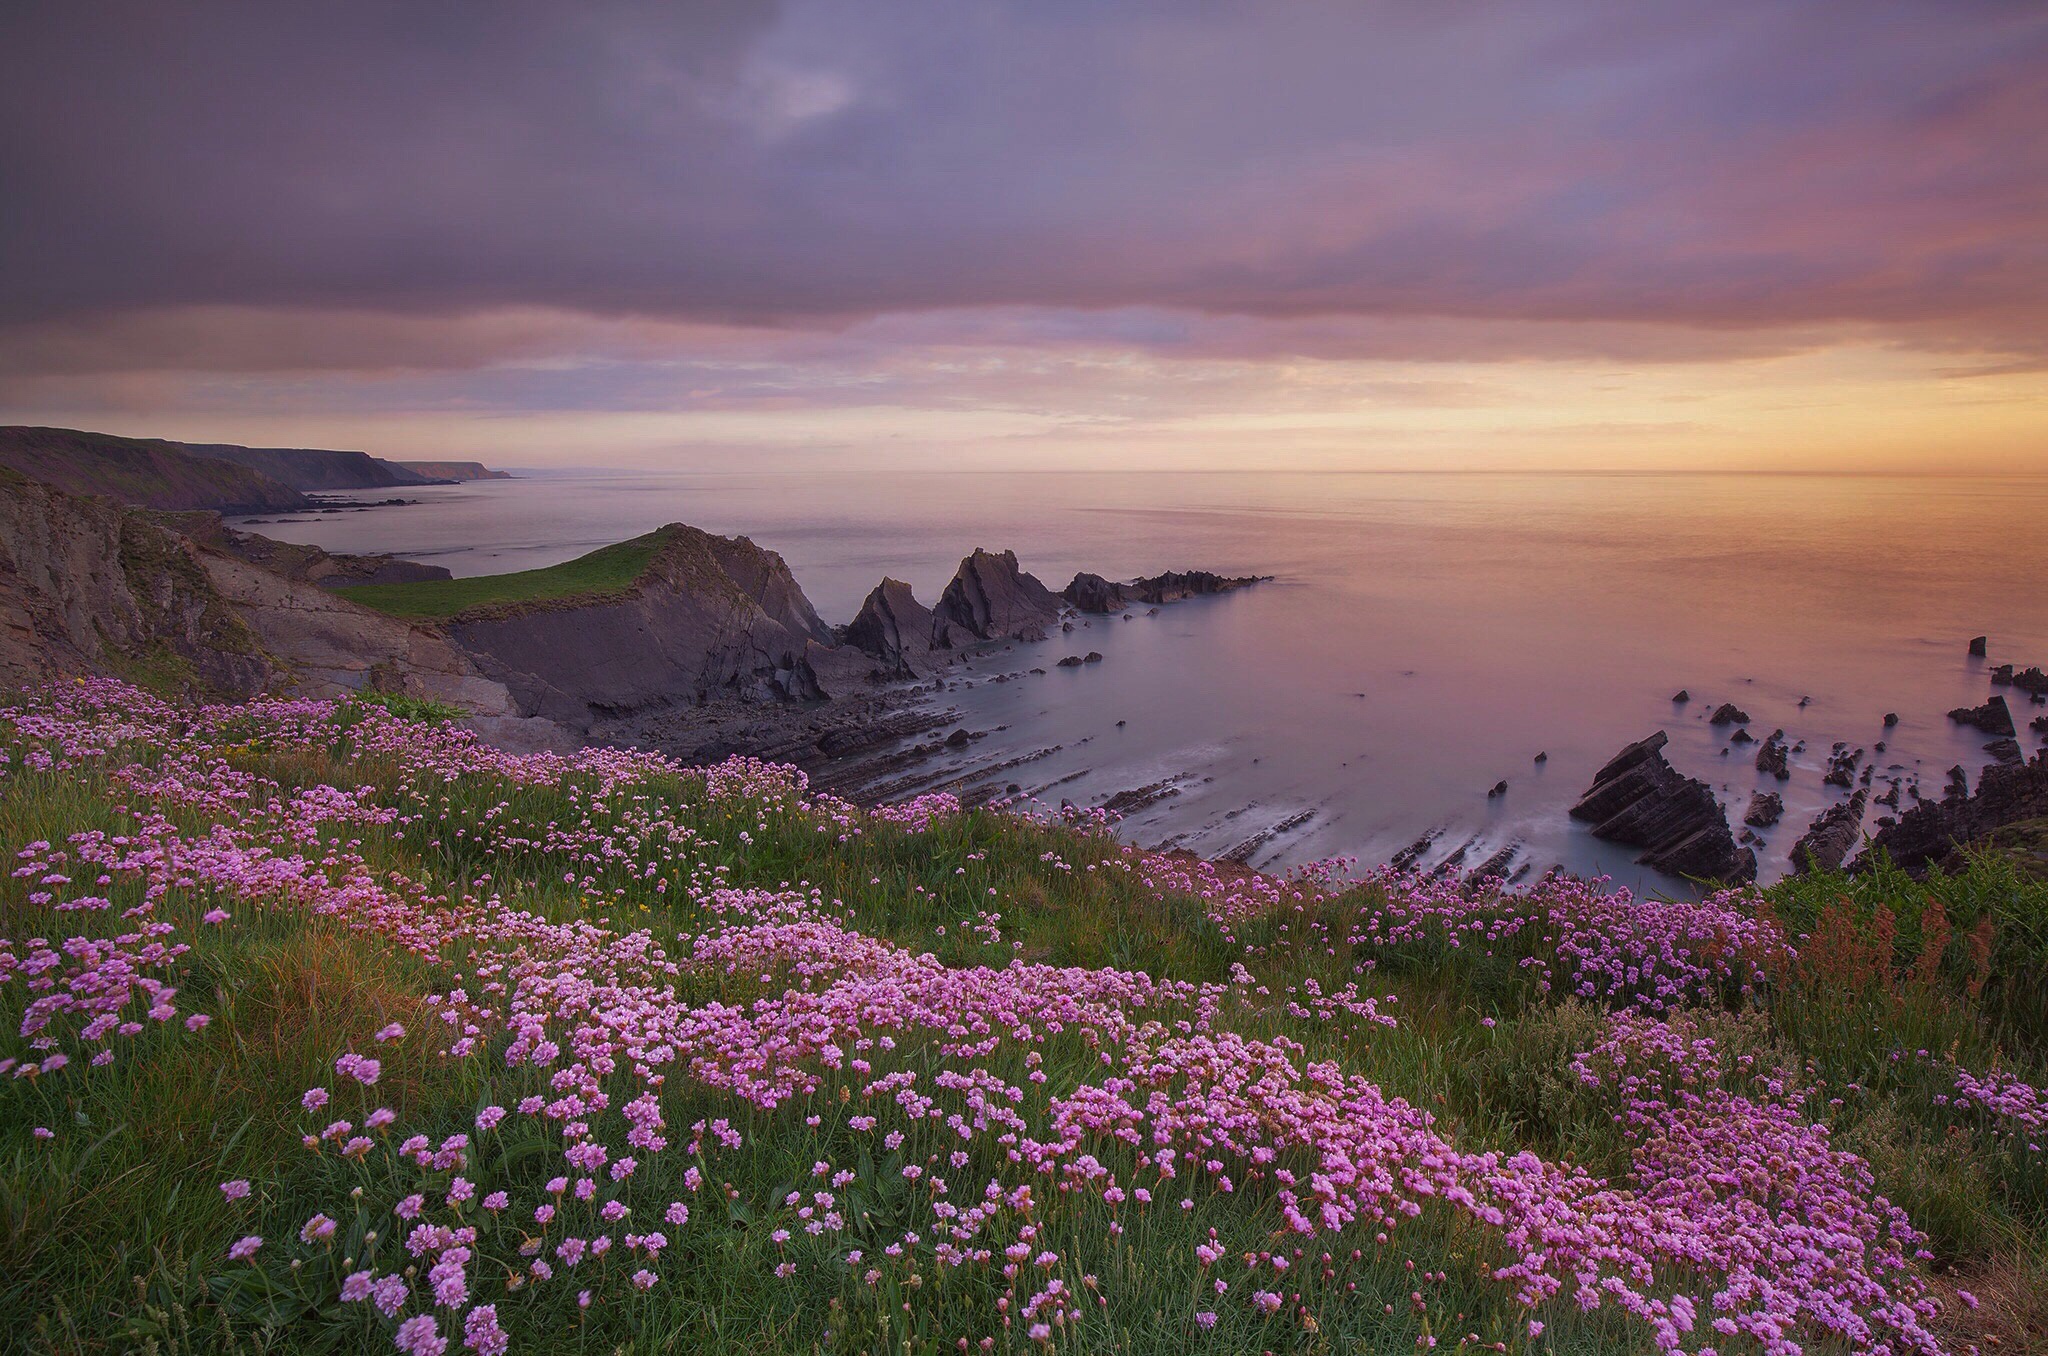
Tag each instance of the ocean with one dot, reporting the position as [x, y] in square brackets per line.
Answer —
[1426, 635]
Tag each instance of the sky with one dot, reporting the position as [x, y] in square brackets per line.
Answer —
[1050, 234]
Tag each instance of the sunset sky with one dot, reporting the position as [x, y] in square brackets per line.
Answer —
[1774, 236]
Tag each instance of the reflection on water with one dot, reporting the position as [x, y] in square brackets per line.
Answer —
[1428, 635]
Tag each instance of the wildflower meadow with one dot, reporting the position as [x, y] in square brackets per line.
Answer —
[324, 1028]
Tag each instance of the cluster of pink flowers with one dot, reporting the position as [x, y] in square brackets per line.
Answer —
[938, 1072]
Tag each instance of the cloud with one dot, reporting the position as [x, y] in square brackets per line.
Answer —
[1744, 166]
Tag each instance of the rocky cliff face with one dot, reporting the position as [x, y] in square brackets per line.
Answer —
[453, 470]
[1093, 593]
[1641, 800]
[989, 598]
[710, 618]
[89, 587]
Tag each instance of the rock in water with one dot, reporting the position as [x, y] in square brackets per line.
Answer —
[1773, 757]
[1765, 809]
[1641, 800]
[1175, 585]
[1826, 843]
[1932, 833]
[2005, 751]
[989, 598]
[1993, 717]
[1093, 594]
[1681, 696]
[892, 627]
[1728, 713]
[1891, 718]
[1977, 646]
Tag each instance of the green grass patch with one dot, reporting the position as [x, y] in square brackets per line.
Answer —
[605, 571]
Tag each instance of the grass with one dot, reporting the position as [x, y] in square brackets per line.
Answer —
[112, 1231]
[606, 571]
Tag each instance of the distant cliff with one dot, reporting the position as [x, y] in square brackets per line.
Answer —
[144, 472]
[313, 468]
[453, 470]
[157, 473]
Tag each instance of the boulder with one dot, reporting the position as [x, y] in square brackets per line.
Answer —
[1641, 800]
[1765, 809]
[989, 598]
[1681, 696]
[1993, 717]
[1977, 646]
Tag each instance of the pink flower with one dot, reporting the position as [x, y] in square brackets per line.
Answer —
[420, 1335]
[245, 1248]
[314, 1099]
[236, 1190]
[317, 1230]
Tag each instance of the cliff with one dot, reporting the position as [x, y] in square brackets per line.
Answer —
[186, 607]
[708, 618]
[144, 472]
[452, 470]
[312, 468]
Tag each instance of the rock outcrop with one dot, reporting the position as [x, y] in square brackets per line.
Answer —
[989, 598]
[892, 628]
[1773, 757]
[1765, 809]
[1993, 717]
[1641, 800]
[1827, 842]
[1175, 585]
[1728, 713]
[1093, 594]
[709, 618]
[1933, 833]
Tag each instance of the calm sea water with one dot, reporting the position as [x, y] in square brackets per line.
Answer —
[1427, 635]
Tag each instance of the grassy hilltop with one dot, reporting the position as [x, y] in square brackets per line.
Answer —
[324, 1028]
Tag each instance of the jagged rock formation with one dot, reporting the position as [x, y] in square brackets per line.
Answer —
[2032, 681]
[1993, 717]
[1175, 585]
[709, 618]
[1728, 713]
[1093, 594]
[892, 627]
[142, 472]
[1640, 799]
[1827, 841]
[1765, 809]
[1933, 833]
[989, 598]
[1773, 757]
